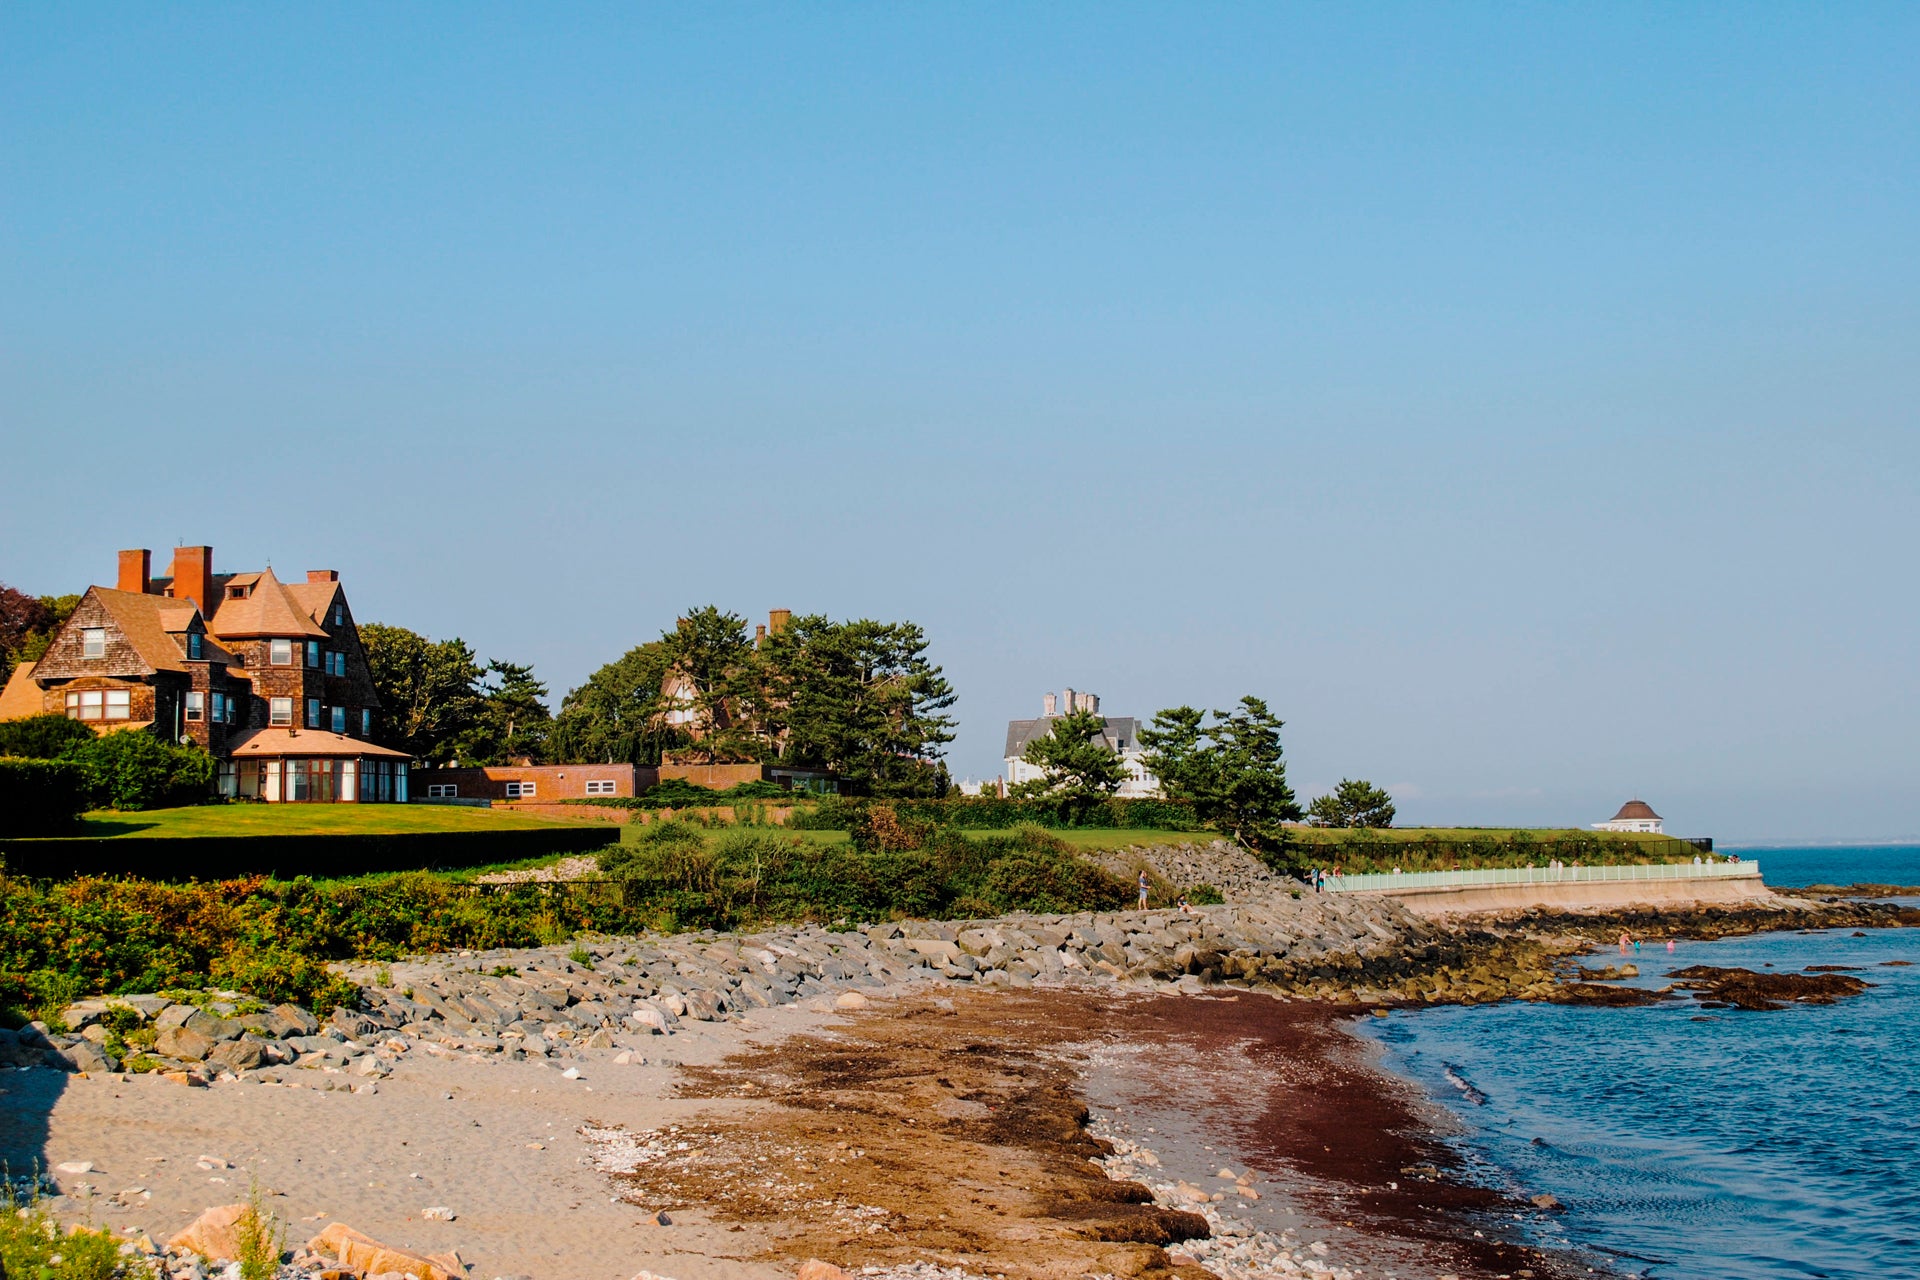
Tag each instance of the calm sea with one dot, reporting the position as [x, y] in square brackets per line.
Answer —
[1703, 1145]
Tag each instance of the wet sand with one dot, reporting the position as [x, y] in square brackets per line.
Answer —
[934, 1126]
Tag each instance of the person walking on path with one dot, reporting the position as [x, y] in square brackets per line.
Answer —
[1143, 888]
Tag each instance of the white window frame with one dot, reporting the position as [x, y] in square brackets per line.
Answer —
[196, 706]
[280, 711]
[280, 653]
[93, 642]
[601, 786]
[523, 790]
[443, 790]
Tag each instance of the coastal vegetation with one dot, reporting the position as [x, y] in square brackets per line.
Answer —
[1231, 772]
[305, 820]
[272, 938]
[53, 768]
[1352, 804]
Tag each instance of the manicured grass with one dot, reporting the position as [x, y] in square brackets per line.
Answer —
[309, 820]
[1078, 837]
[1339, 835]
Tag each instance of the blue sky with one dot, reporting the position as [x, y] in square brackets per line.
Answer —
[1521, 398]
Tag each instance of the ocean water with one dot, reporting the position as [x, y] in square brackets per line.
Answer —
[1694, 1144]
[1818, 864]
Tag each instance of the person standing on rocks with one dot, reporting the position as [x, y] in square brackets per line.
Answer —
[1143, 888]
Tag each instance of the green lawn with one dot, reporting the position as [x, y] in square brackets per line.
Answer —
[310, 820]
[1079, 837]
[1334, 835]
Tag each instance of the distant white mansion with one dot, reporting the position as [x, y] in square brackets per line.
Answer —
[1121, 736]
[1634, 815]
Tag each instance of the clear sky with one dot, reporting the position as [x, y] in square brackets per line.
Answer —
[1522, 398]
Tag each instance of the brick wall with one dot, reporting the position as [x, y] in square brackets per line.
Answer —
[551, 781]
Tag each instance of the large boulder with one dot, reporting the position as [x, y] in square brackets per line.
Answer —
[362, 1253]
[180, 1042]
[214, 1027]
[238, 1055]
[214, 1234]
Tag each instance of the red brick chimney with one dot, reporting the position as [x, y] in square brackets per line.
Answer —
[136, 571]
[323, 575]
[193, 574]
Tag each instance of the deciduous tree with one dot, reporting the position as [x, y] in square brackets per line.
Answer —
[429, 691]
[616, 716]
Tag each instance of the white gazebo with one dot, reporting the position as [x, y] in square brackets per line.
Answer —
[1634, 815]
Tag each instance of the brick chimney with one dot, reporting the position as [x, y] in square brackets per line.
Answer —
[136, 571]
[759, 635]
[777, 620]
[323, 575]
[1052, 703]
[193, 574]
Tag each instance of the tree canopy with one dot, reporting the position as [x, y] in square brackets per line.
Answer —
[27, 623]
[857, 698]
[1231, 770]
[1078, 768]
[1352, 804]
[441, 705]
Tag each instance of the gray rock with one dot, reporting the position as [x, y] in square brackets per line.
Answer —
[183, 1043]
[239, 1055]
[213, 1027]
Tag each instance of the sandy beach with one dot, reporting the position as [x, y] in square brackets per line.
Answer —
[926, 1128]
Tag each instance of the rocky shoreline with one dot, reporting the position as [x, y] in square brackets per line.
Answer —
[625, 1000]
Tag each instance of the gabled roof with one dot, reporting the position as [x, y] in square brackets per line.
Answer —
[307, 742]
[1021, 732]
[143, 620]
[270, 609]
[1633, 809]
[314, 597]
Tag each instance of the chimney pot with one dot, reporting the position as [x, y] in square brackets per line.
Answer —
[136, 571]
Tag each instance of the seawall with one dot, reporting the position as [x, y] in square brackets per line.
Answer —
[1600, 895]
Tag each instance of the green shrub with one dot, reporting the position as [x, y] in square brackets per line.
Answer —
[41, 737]
[980, 813]
[33, 1247]
[41, 797]
[134, 770]
[1205, 895]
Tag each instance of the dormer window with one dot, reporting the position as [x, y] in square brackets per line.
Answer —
[194, 646]
[238, 593]
[93, 642]
[280, 652]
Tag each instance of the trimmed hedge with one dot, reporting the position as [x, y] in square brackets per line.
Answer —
[41, 797]
[227, 857]
[980, 813]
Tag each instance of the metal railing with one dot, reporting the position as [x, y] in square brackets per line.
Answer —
[1542, 875]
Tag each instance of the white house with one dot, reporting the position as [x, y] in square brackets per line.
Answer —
[1121, 736]
[1634, 815]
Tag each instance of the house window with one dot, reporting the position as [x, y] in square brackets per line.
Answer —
[93, 642]
[339, 719]
[313, 653]
[520, 790]
[313, 713]
[600, 786]
[197, 706]
[280, 653]
[194, 646]
[280, 711]
[236, 593]
[336, 662]
[442, 790]
[366, 723]
[339, 615]
[119, 704]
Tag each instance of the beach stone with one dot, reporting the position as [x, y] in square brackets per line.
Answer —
[82, 1055]
[173, 1015]
[212, 1235]
[238, 1055]
[851, 1000]
[814, 1269]
[214, 1027]
[183, 1042]
[1547, 1202]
